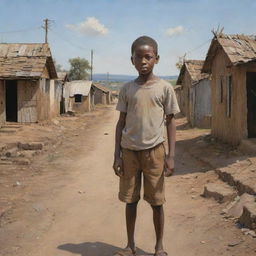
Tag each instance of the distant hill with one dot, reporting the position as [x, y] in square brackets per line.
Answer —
[123, 78]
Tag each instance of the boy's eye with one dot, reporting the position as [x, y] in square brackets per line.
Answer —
[147, 57]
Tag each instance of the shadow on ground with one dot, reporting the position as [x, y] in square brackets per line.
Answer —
[95, 249]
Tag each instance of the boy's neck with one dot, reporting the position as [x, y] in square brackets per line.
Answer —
[145, 79]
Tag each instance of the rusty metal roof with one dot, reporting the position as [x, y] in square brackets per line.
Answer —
[25, 61]
[239, 49]
[101, 87]
[194, 68]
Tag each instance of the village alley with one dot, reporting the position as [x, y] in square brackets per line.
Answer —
[69, 205]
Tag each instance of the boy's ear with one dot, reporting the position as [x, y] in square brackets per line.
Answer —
[157, 59]
[132, 60]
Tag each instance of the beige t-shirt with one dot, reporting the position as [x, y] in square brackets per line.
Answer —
[146, 107]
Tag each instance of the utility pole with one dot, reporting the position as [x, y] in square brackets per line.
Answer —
[107, 78]
[91, 63]
[46, 27]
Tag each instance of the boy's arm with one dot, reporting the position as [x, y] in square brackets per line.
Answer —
[118, 163]
[171, 134]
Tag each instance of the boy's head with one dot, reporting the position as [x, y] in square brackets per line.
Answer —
[145, 40]
[144, 54]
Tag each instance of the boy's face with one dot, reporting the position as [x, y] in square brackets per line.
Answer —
[144, 59]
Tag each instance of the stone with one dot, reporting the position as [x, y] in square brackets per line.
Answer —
[235, 208]
[219, 191]
[11, 152]
[248, 217]
[30, 146]
[21, 161]
[27, 153]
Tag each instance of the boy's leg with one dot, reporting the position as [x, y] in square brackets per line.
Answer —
[153, 173]
[158, 218]
[131, 214]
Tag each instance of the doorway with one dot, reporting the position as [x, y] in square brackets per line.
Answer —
[11, 100]
[251, 103]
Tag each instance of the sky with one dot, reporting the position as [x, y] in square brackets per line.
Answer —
[110, 26]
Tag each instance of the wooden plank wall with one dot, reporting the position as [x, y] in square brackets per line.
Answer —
[229, 129]
[27, 101]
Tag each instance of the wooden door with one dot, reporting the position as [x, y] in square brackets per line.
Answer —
[27, 101]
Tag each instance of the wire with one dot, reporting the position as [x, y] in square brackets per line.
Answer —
[68, 41]
[198, 47]
[18, 31]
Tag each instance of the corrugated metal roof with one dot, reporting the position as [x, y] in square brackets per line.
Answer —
[25, 60]
[238, 48]
[72, 88]
[194, 68]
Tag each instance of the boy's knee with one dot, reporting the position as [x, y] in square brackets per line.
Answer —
[157, 208]
[131, 205]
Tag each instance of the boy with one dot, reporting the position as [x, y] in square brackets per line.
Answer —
[143, 105]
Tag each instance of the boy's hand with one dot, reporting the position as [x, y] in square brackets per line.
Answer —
[118, 166]
[169, 166]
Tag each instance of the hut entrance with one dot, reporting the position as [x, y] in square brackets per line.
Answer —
[11, 100]
[251, 103]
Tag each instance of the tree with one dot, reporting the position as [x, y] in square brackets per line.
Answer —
[58, 67]
[79, 68]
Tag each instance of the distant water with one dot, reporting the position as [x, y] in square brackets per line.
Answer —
[123, 78]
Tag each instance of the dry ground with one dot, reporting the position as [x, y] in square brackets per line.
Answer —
[66, 201]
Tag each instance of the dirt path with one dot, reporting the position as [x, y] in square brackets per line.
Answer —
[71, 206]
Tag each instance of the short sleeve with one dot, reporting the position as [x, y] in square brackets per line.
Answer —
[171, 105]
[122, 101]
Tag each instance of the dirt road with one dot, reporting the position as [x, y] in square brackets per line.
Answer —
[70, 206]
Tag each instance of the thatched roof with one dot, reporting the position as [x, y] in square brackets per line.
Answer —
[239, 49]
[194, 68]
[25, 61]
[62, 76]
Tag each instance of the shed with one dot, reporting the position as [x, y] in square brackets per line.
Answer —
[231, 59]
[102, 95]
[195, 93]
[78, 96]
[25, 73]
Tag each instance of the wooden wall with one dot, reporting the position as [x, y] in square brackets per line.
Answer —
[185, 95]
[202, 108]
[229, 129]
[27, 101]
[100, 97]
[2, 103]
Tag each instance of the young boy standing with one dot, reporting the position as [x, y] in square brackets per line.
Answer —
[144, 104]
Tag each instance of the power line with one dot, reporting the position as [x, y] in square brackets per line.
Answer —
[18, 31]
[198, 47]
[68, 41]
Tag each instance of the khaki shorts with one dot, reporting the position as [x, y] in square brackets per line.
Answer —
[150, 163]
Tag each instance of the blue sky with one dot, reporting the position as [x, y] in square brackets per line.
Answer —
[110, 26]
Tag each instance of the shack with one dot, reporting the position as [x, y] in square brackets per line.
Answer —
[102, 95]
[231, 59]
[195, 94]
[78, 95]
[25, 73]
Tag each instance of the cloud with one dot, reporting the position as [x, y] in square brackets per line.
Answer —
[91, 26]
[175, 31]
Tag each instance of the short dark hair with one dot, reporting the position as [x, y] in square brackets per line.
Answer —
[145, 40]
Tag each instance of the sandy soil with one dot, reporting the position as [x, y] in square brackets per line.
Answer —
[66, 201]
